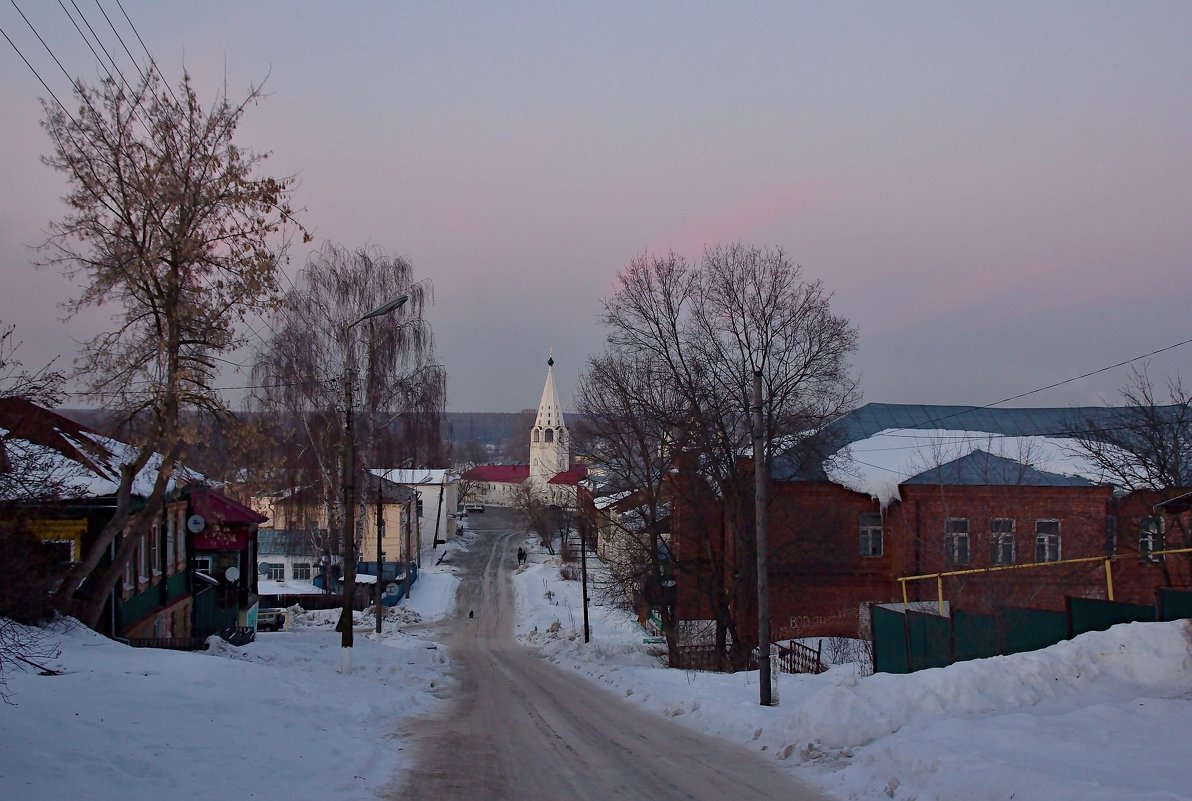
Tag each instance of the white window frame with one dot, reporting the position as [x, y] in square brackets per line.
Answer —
[180, 536]
[1150, 539]
[1044, 542]
[205, 565]
[277, 571]
[294, 571]
[954, 535]
[871, 533]
[999, 537]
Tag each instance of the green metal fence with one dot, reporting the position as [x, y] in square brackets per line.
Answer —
[910, 640]
[1175, 604]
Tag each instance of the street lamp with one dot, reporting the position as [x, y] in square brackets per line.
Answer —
[349, 485]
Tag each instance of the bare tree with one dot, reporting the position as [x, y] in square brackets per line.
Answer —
[1145, 445]
[168, 222]
[536, 514]
[627, 411]
[403, 390]
[705, 329]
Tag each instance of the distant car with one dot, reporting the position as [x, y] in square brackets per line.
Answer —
[474, 507]
[271, 619]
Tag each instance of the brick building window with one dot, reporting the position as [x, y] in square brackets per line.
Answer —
[1150, 538]
[956, 540]
[1001, 541]
[871, 534]
[302, 571]
[1047, 540]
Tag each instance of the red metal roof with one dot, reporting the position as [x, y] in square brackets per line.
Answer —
[213, 505]
[576, 474]
[499, 473]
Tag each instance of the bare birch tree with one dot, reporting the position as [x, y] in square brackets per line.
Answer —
[170, 224]
[402, 390]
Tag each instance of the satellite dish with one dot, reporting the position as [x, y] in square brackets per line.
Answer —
[232, 573]
[195, 524]
[391, 589]
[263, 568]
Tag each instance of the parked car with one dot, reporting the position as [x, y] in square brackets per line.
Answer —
[271, 619]
[474, 507]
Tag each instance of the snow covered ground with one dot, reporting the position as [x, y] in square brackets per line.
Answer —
[1106, 716]
[272, 720]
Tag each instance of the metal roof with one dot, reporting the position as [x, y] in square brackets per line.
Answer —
[984, 469]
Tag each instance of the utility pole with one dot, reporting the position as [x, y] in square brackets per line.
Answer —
[583, 562]
[349, 548]
[349, 485]
[380, 554]
[763, 580]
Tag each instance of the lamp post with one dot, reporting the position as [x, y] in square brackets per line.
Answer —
[349, 485]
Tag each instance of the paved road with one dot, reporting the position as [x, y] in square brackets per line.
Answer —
[522, 730]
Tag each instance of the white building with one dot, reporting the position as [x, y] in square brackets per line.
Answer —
[434, 522]
[549, 471]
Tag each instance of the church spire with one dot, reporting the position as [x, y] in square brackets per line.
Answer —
[550, 443]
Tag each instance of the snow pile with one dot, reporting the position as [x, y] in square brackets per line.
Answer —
[1105, 716]
[273, 719]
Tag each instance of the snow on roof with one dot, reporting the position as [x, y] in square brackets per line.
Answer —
[878, 464]
[415, 476]
[606, 501]
[86, 463]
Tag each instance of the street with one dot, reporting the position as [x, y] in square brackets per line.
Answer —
[519, 728]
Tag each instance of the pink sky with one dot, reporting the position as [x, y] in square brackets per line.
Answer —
[998, 195]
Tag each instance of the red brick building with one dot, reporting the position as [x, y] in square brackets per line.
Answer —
[915, 490]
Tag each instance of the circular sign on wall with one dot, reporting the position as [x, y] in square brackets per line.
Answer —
[195, 524]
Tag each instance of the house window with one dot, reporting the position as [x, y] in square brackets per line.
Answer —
[1150, 538]
[1110, 535]
[127, 578]
[277, 571]
[1047, 540]
[1001, 541]
[871, 534]
[956, 535]
[155, 550]
[171, 543]
[143, 559]
[180, 536]
[302, 571]
[202, 563]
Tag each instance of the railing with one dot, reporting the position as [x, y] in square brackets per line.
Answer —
[697, 657]
[170, 643]
[795, 657]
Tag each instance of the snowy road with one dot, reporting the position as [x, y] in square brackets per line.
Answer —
[522, 729]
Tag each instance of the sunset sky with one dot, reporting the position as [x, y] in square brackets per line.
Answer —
[999, 194]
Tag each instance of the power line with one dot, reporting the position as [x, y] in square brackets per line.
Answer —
[152, 61]
[968, 409]
[37, 75]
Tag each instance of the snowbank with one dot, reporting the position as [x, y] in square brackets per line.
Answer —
[1105, 716]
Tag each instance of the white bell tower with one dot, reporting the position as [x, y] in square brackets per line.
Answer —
[550, 444]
